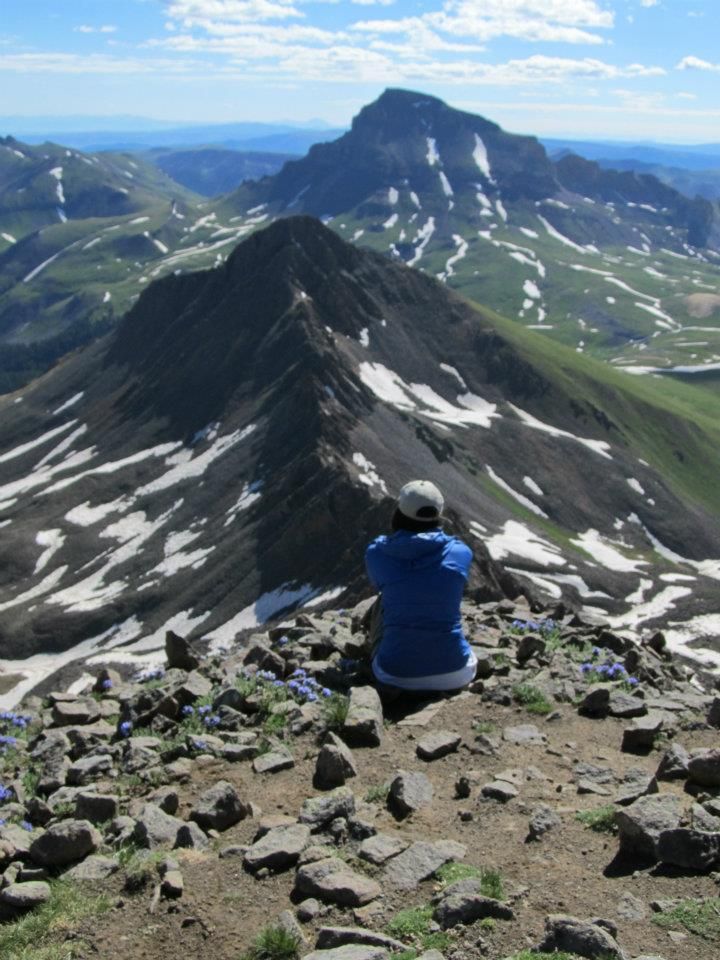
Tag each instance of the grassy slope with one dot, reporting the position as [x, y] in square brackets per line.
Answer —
[659, 417]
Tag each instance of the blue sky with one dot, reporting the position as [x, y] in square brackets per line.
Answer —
[620, 69]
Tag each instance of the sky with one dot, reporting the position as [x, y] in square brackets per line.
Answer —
[592, 69]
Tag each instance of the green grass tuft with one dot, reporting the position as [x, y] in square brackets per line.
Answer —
[484, 726]
[701, 917]
[491, 884]
[599, 819]
[532, 698]
[334, 710]
[273, 943]
[31, 937]
[378, 794]
[414, 924]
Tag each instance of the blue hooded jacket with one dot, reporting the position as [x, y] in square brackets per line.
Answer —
[421, 577]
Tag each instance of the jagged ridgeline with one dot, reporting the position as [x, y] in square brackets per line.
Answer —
[227, 453]
[615, 264]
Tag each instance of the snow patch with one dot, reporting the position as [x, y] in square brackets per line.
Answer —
[605, 553]
[52, 540]
[528, 504]
[250, 493]
[368, 473]
[598, 446]
[432, 156]
[480, 156]
[517, 540]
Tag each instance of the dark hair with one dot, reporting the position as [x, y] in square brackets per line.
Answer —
[401, 522]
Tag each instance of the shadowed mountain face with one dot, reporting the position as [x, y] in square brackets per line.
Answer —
[227, 453]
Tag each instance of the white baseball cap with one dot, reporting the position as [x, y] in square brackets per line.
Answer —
[421, 500]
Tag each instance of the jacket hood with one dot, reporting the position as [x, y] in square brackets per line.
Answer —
[415, 547]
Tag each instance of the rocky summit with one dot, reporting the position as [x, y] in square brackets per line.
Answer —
[266, 803]
[227, 453]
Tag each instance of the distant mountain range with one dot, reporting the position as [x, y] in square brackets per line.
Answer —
[613, 263]
[210, 172]
[225, 454]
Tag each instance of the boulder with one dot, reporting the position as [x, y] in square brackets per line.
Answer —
[543, 820]
[154, 828]
[96, 807]
[467, 908]
[420, 861]
[332, 881]
[25, 896]
[274, 761]
[65, 842]
[689, 849]
[364, 723]
[278, 849]
[525, 733]
[191, 837]
[673, 763]
[351, 951]
[92, 869]
[409, 792]
[640, 736]
[635, 784]
[179, 653]
[71, 712]
[438, 744]
[704, 768]
[641, 823]
[329, 937]
[578, 937]
[318, 812]
[381, 847]
[335, 764]
[219, 807]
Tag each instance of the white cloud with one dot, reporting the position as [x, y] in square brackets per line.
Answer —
[695, 63]
[371, 3]
[648, 3]
[106, 28]
[190, 12]
[72, 63]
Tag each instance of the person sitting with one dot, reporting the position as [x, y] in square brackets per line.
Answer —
[420, 572]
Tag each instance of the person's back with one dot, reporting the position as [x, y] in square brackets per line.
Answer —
[420, 572]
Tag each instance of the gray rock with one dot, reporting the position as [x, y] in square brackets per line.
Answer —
[467, 908]
[591, 773]
[309, 910]
[640, 824]
[72, 712]
[351, 951]
[640, 736]
[64, 843]
[704, 768]
[625, 706]
[409, 792]
[577, 936]
[179, 653]
[690, 849]
[172, 885]
[674, 763]
[381, 847]
[193, 688]
[631, 908]
[317, 812]
[363, 725]
[219, 807]
[278, 849]
[420, 861]
[154, 828]
[96, 807]
[500, 790]
[525, 733]
[430, 955]
[596, 702]
[87, 769]
[191, 837]
[438, 744]
[703, 819]
[274, 761]
[713, 717]
[635, 784]
[543, 820]
[335, 764]
[332, 881]
[93, 869]
[167, 798]
[329, 937]
[25, 896]
[530, 645]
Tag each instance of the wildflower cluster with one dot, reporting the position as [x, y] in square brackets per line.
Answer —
[13, 727]
[6, 793]
[305, 689]
[106, 684]
[149, 673]
[125, 728]
[198, 718]
[543, 627]
[603, 667]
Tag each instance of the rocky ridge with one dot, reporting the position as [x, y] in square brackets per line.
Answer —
[273, 790]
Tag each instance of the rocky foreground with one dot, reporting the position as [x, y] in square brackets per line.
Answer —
[269, 806]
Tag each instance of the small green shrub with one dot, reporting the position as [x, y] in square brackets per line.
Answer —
[273, 943]
[532, 698]
[599, 819]
[413, 922]
[701, 917]
[491, 884]
[334, 710]
[484, 726]
[378, 794]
